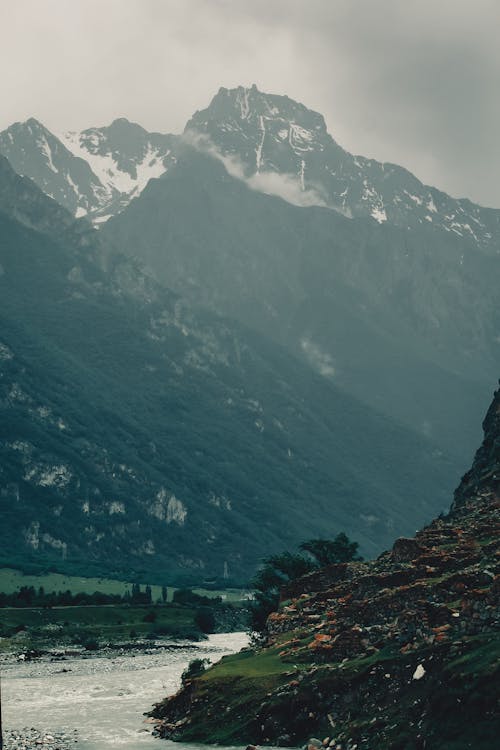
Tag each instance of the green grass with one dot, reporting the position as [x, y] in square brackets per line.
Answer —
[42, 628]
[11, 580]
[233, 688]
[482, 658]
[247, 664]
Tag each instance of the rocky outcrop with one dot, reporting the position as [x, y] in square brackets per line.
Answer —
[482, 482]
[400, 652]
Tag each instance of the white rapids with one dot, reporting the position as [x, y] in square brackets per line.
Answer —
[102, 697]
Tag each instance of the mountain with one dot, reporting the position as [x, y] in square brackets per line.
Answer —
[405, 320]
[94, 173]
[399, 652]
[271, 134]
[124, 157]
[140, 433]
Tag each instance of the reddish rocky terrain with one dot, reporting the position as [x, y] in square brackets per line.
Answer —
[399, 652]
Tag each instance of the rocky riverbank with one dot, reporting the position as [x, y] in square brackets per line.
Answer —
[34, 739]
[400, 652]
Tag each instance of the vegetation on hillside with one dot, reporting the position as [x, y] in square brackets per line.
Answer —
[277, 570]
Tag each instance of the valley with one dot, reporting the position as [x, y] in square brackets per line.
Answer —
[249, 375]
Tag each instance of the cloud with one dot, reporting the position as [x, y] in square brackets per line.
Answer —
[318, 359]
[285, 186]
[412, 82]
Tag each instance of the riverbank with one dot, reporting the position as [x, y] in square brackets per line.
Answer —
[38, 630]
[30, 738]
[104, 696]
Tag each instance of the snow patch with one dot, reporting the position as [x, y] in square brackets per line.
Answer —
[101, 219]
[258, 152]
[243, 102]
[43, 143]
[299, 138]
[105, 168]
[415, 198]
[379, 215]
[285, 186]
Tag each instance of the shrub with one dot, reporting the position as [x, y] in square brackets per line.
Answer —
[195, 668]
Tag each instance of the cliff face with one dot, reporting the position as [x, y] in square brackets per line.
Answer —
[400, 652]
[482, 482]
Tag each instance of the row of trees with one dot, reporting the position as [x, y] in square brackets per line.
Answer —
[278, 570]
[28, 596]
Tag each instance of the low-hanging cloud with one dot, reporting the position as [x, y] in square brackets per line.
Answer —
[413, 83]
[285, 186]
[318, 359]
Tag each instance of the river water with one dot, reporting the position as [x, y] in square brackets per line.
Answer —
[103, 697]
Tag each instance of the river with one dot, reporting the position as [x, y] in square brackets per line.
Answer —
[102, 697]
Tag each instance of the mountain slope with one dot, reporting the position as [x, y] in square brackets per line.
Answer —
[141, 434]
[400, 652]
[268, 133]
[124, 156]
[94, 173]
[396, 317]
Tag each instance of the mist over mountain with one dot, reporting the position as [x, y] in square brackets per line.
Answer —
[142, 433]
[274, 135]
[268, 339]
[397, 310]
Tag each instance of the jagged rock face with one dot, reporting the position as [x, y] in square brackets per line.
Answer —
[95, 173]
[30, 207]
[395, 316]
[274, 134]
[35, 152]
[124, 157]
[399, 652]
[482, 482]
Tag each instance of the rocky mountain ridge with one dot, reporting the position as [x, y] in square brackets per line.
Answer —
[271, 134]
[94, 173]
[400, 652]
[395, 317]
[98, 171]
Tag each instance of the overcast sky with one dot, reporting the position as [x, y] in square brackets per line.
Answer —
[415, 82]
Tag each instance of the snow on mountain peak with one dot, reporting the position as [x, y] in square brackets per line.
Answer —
[273, 134]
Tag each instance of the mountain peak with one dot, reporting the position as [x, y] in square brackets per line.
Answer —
[242, 103]
[32, 125]
[271, 133]
[119, 126]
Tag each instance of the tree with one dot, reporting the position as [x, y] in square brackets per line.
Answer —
[330, 551]
[278, 570]
[195, 668]
[205, 619]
